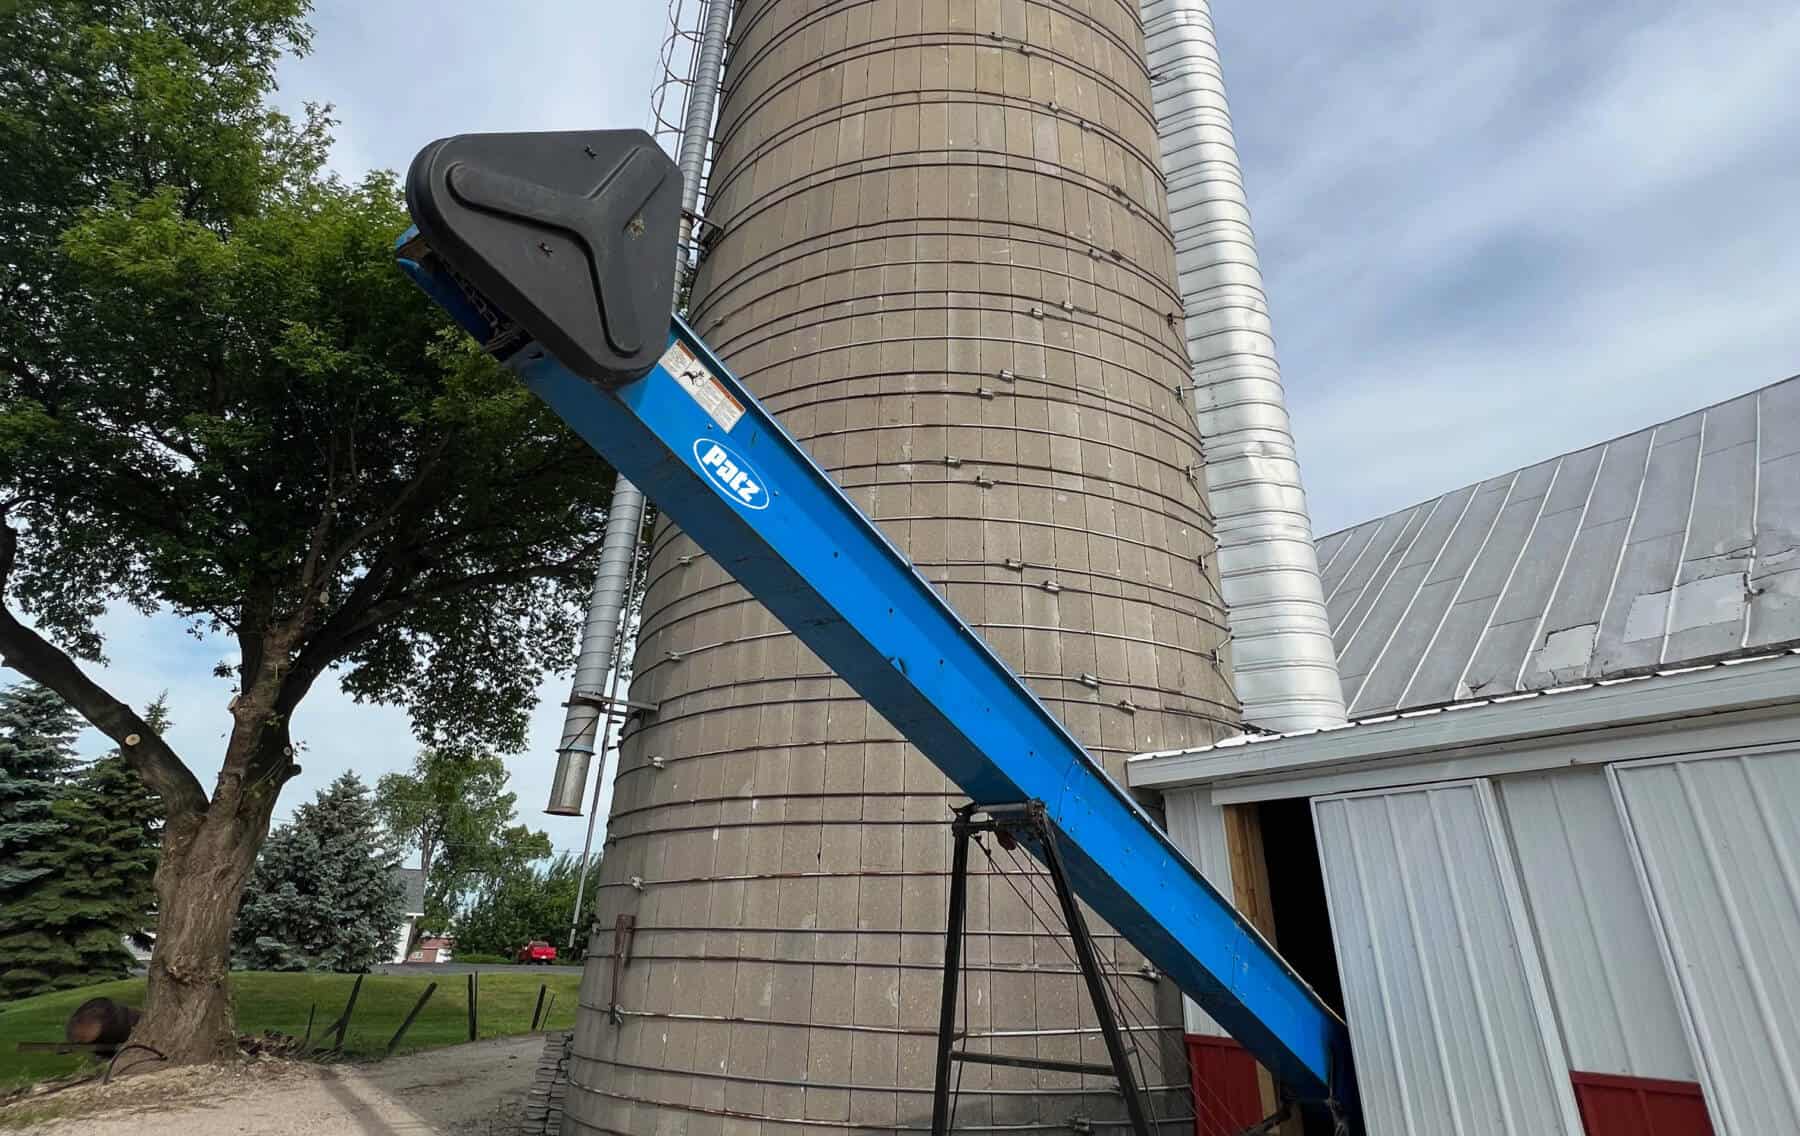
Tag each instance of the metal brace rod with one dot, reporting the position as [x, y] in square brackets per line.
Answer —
[603, 702]
[1048, 1063]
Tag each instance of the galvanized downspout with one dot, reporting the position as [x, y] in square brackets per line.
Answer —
[599, 637]
[625, 516]
[1282, 656]
[604, 737]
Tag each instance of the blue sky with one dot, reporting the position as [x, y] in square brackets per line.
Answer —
[1490, 234]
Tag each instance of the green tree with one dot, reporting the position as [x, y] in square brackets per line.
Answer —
[454, 807]
[37, 754]
[69, 926]
[91, 886]
[324, 895]
[218, 397]
[523, 904]
[120, 825]
[37, 751]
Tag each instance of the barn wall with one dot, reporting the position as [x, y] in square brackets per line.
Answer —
[1717, 840]
[1446, 1003]
[1607, 984]
[1197, 826]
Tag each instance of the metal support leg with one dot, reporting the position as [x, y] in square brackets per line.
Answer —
[953, 937]
[1096, 984]
[1008, 823]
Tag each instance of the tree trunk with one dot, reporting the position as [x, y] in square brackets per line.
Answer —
[206, 861]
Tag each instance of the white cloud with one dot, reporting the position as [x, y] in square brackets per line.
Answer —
[401, 74]
[1492, 235]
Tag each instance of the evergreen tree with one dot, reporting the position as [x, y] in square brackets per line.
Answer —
[132, 831]
[103, 892]
[37, 734]
[324, 895]
[80, 851]
[37, 755]
[285, 908]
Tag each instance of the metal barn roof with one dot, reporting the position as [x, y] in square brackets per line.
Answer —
[1677, 544]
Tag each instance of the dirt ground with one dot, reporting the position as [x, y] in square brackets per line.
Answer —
[466, 1090]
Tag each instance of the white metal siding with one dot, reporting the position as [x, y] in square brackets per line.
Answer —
[1607, 980]
[1448, 1014]
[1717, 842]
[1197, 826]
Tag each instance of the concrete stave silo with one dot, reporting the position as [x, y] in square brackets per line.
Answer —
[940, 253]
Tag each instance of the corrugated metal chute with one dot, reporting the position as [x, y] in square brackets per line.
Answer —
[1281, 651]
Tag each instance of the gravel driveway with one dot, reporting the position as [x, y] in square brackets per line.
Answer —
[465, 1090]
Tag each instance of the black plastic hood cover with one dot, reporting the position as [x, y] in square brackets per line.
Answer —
[571, 234]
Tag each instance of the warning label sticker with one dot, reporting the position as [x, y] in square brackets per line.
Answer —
[699, 382]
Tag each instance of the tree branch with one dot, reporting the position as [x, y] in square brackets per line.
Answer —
[172, 444]
[406, 601]
[412, 499]
[312, 576]
[43, 662]
[16, 368]
[252, 630]
[340, 636]
[403, 518]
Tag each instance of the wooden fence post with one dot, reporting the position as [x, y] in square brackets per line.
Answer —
[538, 1011]
[407, 1024]
[472, 996]
[341, 1027]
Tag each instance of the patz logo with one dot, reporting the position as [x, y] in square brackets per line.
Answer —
[737, 477]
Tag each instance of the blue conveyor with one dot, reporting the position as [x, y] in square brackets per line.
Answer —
[719, 465]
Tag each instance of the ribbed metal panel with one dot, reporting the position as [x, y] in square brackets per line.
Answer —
[1197, 826]
[1606, 977]
[1668, 546]
[1718, 844]
[942, 259]
[1446, 1004]
[1281, 652]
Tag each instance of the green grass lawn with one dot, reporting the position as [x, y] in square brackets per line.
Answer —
[267, 1001]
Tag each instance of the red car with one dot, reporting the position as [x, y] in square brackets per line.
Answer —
[537, 951]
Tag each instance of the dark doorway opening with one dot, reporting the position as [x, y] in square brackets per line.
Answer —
[1297, 895]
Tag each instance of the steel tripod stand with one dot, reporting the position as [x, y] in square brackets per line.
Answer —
[1012, 825]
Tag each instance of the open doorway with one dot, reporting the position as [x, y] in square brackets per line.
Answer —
[1297, 895]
